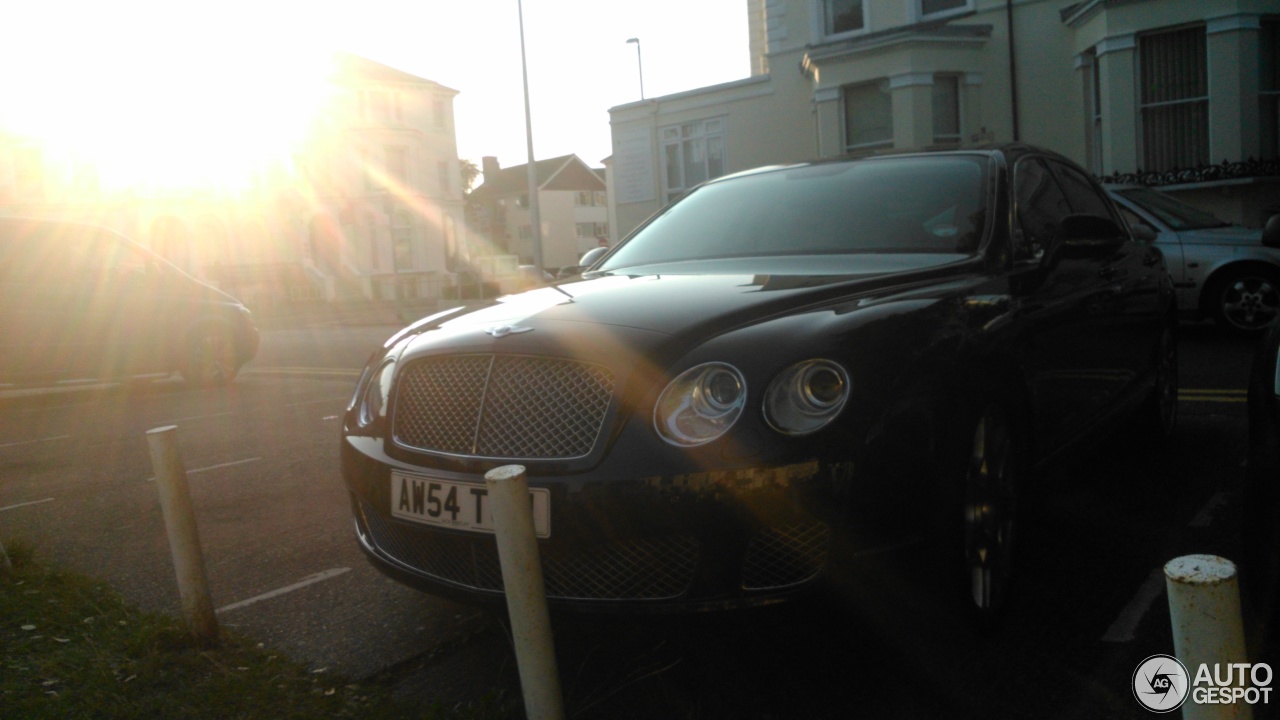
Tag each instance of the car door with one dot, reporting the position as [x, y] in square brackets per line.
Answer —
[1135, 273]
[1062, 303]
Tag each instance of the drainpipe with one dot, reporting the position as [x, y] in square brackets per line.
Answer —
[1013, 69]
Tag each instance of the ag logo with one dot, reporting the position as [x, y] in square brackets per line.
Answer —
[1161, 683]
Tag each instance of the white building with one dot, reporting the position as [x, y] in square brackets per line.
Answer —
[572, 209]
[1171, 88]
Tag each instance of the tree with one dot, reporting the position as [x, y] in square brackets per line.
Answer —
[470, 171]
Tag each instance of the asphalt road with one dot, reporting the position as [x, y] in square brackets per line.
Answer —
[283, 565]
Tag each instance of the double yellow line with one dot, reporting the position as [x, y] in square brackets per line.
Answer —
[1219, 396]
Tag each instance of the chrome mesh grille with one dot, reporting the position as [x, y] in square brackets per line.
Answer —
[785, 556]
[498, 406]
[644, 569]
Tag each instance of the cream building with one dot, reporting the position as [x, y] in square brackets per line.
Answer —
[370, 206]
[1168, 88]
[572, 209]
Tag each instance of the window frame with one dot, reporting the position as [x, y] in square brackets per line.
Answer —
[702, 136]
[966, 6]
[820, 21]
[1150, 153]
[844, 116]
[951, 139]
[1269, 87]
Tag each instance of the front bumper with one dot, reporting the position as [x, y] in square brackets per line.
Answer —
[623, 540]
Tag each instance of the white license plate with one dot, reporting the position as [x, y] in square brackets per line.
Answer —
[461, 506]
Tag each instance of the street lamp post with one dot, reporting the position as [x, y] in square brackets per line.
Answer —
[534, 215]
[639, 64]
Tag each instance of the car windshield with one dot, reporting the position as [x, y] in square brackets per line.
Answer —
[1174, 213]
[879, 205]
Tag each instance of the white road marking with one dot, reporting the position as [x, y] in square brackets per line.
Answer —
[33, 442]
[309, 580]
[196, 417]
[25, 504]
[313, 402]
[215, 467]
[1122, 630]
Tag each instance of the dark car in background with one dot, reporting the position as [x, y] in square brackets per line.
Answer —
[1221, 271]
[784, 373]
[80, 302]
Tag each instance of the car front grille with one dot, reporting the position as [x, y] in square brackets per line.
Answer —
[785, 556]
[502, 406]
[637, 569]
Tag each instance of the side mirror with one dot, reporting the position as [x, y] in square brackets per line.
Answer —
[1083, 236]
[1271, 232]
[1144, 233]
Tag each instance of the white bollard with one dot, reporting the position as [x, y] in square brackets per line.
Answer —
[184, 540]
[526, 597]
[1204, 606]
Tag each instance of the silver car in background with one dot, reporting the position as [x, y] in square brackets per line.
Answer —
[1222, 271]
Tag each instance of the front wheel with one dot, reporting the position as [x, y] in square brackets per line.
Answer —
[210, 359]
[991, 487]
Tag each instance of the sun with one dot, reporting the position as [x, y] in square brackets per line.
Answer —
[172, 104]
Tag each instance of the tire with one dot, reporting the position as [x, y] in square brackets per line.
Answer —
[210, 357]
[1245, 300]
[1158, 416]
[992, 484]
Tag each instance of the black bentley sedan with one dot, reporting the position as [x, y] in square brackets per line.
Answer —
[782, 374]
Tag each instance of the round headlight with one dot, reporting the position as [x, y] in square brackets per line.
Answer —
[700, 405]
[373, 405]
[806, 396]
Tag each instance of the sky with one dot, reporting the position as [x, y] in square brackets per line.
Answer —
[84, 72]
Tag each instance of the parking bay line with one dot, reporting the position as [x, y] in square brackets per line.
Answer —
[215, 467]
[33, 442]
[25, 504]
[309, 580]
[1126, 623]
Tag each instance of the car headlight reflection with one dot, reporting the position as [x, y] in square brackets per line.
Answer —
[806, 396]
[373, 405]
[700, 405]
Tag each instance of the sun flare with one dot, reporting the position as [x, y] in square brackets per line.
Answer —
[212, 112]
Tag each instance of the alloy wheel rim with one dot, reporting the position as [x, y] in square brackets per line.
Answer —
[1250, 303]
[989, 510]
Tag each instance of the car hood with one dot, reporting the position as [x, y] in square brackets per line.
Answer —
[689, 300]
[1230, 235]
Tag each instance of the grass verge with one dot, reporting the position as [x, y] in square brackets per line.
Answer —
[73, 648]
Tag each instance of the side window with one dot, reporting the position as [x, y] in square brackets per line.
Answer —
[1041, 206]
[1083, 195]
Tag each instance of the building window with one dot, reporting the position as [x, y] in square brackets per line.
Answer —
[587, 230]
[843, 16]
[946, 110]
[368, 170]
[397, 164]
[1269, 84]
[931, 9]
[445, 177]
[402, 241]
[1094, 93]
[1174, 100]
[582, 199]
[438, 112]
[868, 116]
[691, 153]
[378, 104]
[599, 199]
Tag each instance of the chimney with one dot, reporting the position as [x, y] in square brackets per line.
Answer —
[489, 166]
